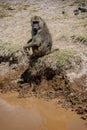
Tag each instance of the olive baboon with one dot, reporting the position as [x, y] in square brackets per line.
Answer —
[41, 41]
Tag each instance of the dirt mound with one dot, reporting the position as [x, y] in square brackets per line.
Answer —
[45, 86]
[46, 77]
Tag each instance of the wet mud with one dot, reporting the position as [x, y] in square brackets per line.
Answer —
[17, 118]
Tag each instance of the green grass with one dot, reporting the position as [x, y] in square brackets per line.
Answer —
[63, 57]
[80, 38]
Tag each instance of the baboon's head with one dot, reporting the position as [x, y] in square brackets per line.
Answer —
[37, 23]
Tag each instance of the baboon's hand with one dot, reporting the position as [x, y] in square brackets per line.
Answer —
[26, 50]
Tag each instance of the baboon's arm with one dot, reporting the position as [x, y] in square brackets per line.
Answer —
[29, 41]
[27, 45]
[37, 40]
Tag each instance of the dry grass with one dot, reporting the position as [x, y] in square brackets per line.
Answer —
[80, 38]
[3, 8]
[10, 47]
[62, 56]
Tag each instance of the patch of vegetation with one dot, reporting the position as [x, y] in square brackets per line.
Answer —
[4, 14]
[80, 2]
[80, 38]
[3, 10]
[63, 57]
[10, 47]
[4, 5]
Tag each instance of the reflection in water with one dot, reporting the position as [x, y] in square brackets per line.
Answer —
[36, 114]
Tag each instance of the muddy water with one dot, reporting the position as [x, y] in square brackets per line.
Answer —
[17, 118]
[36, 114]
